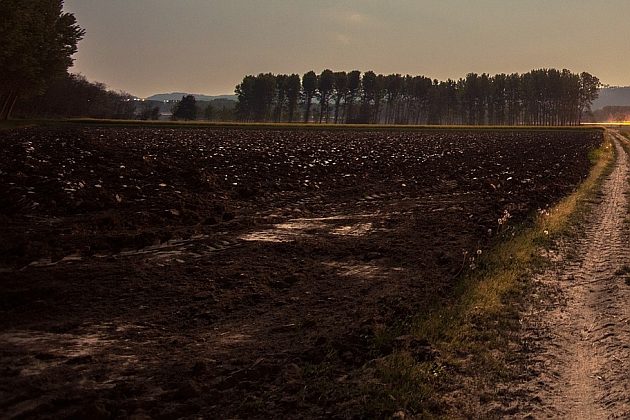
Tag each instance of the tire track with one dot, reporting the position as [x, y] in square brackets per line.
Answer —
[584, 365]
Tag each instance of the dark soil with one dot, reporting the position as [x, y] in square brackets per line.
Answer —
[231, 273]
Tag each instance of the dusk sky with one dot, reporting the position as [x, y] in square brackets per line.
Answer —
[207, 46]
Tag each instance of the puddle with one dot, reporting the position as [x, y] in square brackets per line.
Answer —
[364, 271]
[304, 227]
[359, 229]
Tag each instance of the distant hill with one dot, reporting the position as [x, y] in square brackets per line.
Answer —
[176, 96]
[609, 96]
[166, 107]
[612, 96]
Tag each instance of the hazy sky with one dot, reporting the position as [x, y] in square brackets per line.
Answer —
[207, 46]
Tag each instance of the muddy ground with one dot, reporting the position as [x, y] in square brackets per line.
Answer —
[243, 273]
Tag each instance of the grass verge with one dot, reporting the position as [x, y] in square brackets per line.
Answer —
[472, 336]
[625, 143]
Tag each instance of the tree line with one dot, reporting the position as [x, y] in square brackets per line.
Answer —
[188, 109]
[72, 95]
[539, 97]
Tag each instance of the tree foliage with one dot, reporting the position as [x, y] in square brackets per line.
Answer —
[209, 112]
[325, 85]
[340, 88]
[539, 97]
[309, 88]
[72, 95]
[186, 109]
[293, 87]
[38, 41]
[149, 111]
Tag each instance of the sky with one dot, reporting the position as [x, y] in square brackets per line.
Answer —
[207, 46]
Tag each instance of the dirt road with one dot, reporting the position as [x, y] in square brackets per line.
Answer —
[583, 331]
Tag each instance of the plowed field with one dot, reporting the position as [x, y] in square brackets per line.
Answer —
[232, 272]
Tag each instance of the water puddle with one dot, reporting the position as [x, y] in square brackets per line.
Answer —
[304, 227]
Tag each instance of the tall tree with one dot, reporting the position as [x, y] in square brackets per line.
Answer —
[281, 96]
[309, 88]
[393, 87]
[471, 96]
[483, 98]
[264, 95]
[369, 85]
[589, 91]
[341, 90]
[325, 85]
[421, 91]
[245, 98]
[354, 87]
[514, 98]
[38, 41]
[379, 90]
[186, 109]
[498, 99]
[293, 86]
[571, 85]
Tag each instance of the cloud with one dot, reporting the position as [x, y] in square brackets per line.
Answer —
[356, 18]
[342, 39]
[350, 18]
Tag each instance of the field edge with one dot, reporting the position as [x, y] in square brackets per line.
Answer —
[474, 337]
[91, 122]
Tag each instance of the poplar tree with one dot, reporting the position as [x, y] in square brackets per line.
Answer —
[309, 88]
[341, 90]
[293, 87]
[325, 85]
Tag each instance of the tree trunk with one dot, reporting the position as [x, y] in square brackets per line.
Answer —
[5, 105]
[291, 110]
[8, 103]
[324, 101]
[13, 101]
[307, 111]
[3, 97]
[348, 105]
